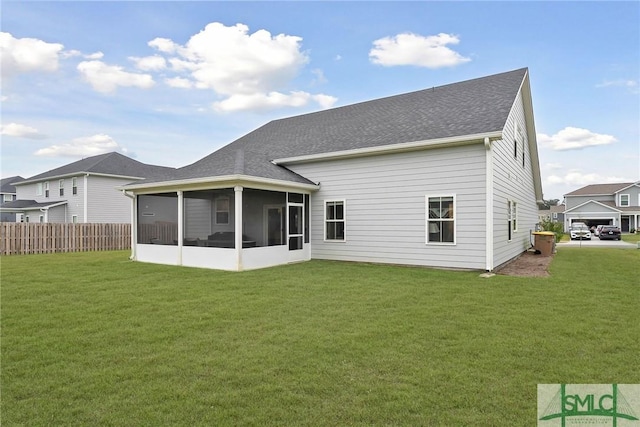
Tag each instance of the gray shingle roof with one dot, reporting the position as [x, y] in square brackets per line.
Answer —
[6, 184]
[110, 163]
[471, 107]
[29, 204]
[598, 189]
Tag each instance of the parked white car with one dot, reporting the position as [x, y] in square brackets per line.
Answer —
[580, 231]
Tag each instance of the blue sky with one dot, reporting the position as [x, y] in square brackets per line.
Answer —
[170, 82]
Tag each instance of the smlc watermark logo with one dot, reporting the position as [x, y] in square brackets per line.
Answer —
[611, 405]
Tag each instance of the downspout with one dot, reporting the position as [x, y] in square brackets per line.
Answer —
[489, 204]
[45, 211]
[134, 223]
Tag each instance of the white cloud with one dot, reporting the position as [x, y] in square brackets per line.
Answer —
[179, 82]
[106, 78]
[553, 166]
[248, 70]
[95, 55]
[319, 77]
[27, 54]
[576, 178]
[20, 131]
[164, 45]
[149, 63]
[571, 138]
[631, 85]
[261, 101]
[414, 49]
[83, 147]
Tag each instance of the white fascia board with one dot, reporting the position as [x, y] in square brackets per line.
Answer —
[392, 148]
[225, 181]
[593, 201]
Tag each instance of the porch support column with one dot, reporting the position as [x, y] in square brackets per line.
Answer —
[180, 225]
[238, 226]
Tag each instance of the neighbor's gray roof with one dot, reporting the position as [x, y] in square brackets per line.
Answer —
[6, 184]
[471, 107]
[110, 164]
[28, 204]
[599, 189]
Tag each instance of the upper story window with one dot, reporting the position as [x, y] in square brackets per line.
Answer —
[521, 144]
[624, 200]
[222, 210]
[74, 185]
[39, 187]
[7, 197]
[334, 220]
[441, 219]
[61, 186]
[46, 189]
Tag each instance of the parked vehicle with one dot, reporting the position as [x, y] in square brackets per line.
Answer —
[580, 231]
[610, 232]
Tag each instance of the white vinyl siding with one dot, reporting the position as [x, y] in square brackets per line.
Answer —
[106, 204]
[386, 218]
[573, 201]
[513, 182]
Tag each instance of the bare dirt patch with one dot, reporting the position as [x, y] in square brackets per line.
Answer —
[529, 264]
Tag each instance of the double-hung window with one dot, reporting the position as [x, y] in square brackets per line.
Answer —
[624, 200]
[74, 185]
[39, 189]
[222, 210]
[512, 218]
[46, 189]
[61, 186]
[334, 220]
[441, 219]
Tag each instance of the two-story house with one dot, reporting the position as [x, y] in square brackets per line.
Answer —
[608, 204]
[8, 195]
[553, 214]
[83, 191]
[444, 177]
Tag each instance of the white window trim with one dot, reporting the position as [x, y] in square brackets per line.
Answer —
[620, 200]
[74, 219]
[46, 189]
[7, 197]
[454, 220]
[74, 186]
[343, 220]
[39, 189]
[228, 211]
[512, 220]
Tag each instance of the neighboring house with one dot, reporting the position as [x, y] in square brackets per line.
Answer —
[83, 191]
[553, 214]
[7, 195]
[443, 177]
[609, 204]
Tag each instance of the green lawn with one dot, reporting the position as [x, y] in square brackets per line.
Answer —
[94, 339]
[631, 238]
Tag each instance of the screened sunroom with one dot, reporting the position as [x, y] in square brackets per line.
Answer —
[235, 228]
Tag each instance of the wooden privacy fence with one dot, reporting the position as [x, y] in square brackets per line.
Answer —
[38, 238]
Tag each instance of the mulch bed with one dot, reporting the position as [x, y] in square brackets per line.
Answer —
[529, 264]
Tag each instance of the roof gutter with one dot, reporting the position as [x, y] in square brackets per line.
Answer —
[217, 182]
[393, 148]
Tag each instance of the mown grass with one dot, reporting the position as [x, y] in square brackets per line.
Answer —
[94, 339]
[631, 238]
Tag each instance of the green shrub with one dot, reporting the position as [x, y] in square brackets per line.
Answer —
[556, 227]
